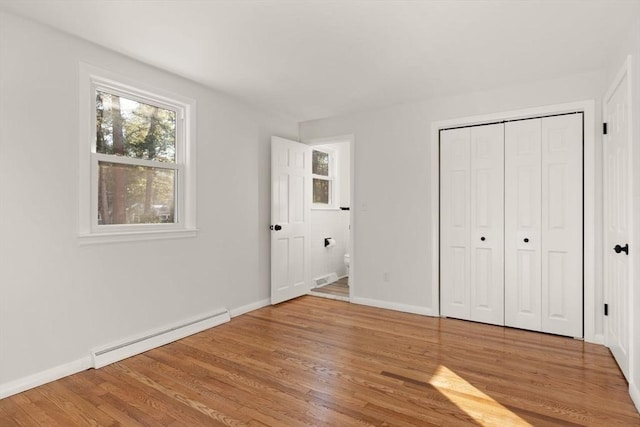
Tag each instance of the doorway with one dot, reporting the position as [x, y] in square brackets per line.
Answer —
[316, 174]
[330, 218]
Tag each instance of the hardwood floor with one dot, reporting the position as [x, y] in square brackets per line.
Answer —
[317, 362]
[339, 288]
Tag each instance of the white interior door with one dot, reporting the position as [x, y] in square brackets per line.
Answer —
[290, 211]
[522, 224]
[562, 225]
[455, 223]
[487, 224]
[617, 218]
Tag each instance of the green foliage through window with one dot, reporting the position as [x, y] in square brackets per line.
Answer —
[135, 194]
[320, 164]
[133, 129]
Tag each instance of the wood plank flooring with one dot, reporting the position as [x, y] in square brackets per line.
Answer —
[321, 362]
[338, 288]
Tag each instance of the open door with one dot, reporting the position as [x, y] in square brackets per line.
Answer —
[617, 219]
[290, 211]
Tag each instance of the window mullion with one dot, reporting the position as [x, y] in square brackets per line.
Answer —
[109, 158]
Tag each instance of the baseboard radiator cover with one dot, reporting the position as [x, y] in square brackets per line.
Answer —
[325, 280]
[115, 352]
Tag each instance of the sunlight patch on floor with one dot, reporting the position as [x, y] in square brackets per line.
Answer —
[482, 408]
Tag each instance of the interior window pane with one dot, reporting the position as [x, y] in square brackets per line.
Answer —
[320, 163]
[125, 127]
[135, 194]
[321, 191]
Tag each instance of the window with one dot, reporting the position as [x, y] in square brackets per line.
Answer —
[141, 163]
[323, 175]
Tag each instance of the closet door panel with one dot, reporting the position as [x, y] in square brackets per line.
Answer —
[455, 211]
[562, 225]
[487, 224]
[523, 224]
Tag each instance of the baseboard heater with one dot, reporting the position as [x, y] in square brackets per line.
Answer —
[135, 345]
[325, 280]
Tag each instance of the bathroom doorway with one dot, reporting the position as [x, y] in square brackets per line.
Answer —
[331, 218]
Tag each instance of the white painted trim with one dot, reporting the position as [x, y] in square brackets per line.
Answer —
[238, 311]
[634, 392]
[598, 339]
[351, 139]
[588, 108]
[140, 343]
[405, 308]
[90, 239]
[47, 376]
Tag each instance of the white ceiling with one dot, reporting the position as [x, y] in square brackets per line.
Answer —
[313, 59]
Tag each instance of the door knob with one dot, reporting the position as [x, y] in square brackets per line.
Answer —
[276, 227]
[482, 238]
[624, 249]
[526, 240]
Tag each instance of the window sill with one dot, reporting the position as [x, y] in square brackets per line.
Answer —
[135, 236]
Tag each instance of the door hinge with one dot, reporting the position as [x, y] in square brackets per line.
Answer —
[604, 128]
[606, 309]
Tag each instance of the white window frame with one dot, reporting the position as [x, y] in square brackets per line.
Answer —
[92, 79]
[332, 178]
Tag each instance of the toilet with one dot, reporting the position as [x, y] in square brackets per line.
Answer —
[347, 261]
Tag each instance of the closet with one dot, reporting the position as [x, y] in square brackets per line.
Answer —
[511, 223]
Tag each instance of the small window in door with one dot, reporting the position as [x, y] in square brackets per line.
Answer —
[323, 174]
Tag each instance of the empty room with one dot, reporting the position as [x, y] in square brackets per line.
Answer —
[319, 213]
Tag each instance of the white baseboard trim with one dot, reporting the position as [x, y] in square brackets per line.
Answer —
[596, 339]
[634, 392]
[406, 308]
[140, 343]
[250, 307]
[40, 378]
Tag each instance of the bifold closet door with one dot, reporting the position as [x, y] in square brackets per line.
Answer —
[523, 212]
[471, 221]
[543, 224]
[562, 225]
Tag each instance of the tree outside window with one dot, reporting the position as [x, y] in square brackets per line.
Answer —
[131, 193]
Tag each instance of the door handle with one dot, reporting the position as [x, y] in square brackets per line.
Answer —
[483, 238]
[276, 227]
[624, 249]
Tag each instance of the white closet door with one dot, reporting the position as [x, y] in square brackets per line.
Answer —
[487, 224]
[562, 225]
[522, 224]
[455, 213]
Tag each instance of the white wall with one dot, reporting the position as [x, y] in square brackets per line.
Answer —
[392, 188]
[58, 300]
[332, 222]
